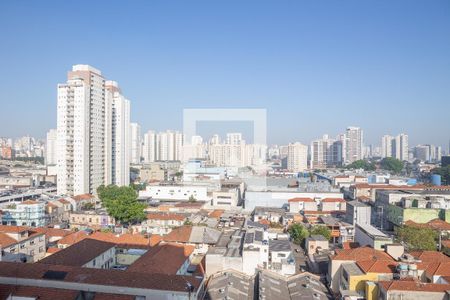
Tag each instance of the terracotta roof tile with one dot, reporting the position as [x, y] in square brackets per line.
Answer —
[6, 240]
[73, 238]
[301, 200]
[330, 200]
[78, 254]
[180, 234]
[361, 254]
[117, 278]
[13, 229]
[165, 216]
[216, 214]
[163, 259]
[377, 266]
[413, 286]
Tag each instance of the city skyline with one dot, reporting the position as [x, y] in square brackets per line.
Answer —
[395, 68]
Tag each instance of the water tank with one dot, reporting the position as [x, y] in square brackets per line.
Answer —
[413, 267]
[412, 181]
[436, 179]
[403, 267]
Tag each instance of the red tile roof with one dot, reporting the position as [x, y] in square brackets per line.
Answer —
[301, 200]
[163, 259]
[78, 254]
[333, 200]
[73, 238]
[127, 239]
[216, 214]
[413, 286]
[436, 224]
[13, 229]
[83, 197]
[34, 292]
[361, 254]
[6, 240]
[165, 216]
[52, 250]
[377, 266]
[64, 201]
[53, 232]
[180, 234]
[113, 278]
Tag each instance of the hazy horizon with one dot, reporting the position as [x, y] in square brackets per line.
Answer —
[317, 67]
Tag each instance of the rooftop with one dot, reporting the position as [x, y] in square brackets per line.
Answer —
[78, 254]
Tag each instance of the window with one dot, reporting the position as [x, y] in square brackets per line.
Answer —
[41, 249]
[22, 246]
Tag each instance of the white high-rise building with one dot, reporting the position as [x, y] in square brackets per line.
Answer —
[149, 149]
[167, 145]
[386, 146]
[354, 144]
[400, 148]
[135, 143]
[81, 131]
[91, 127]
[321, 151]
[50, 156]
[297, 157]
[234, 138]
[396, 147]
[120, 135]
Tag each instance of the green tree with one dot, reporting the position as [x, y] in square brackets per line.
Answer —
[192, 199]
[362, 164]
[121, 203]
[391, 164]
[321, 230]
[298, 233]
[444, 172]
[417, 238]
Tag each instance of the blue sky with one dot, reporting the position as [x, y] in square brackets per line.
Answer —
[316, 66]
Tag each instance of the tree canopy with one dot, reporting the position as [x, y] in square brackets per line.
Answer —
[362, 164]
[298, 233]
[444, 172]
[391, 164]
[417, 238]
[121, 203]
[321, 230]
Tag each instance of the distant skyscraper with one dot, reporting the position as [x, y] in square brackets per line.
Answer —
[297, 157]
[354, 142]
[396, 147]
[234, 138]
[167, 145]
[135, 143]
[400, 147]
[149, 149]
[50, 149]
[422, 152]
[321, 151]
[386, 146]
[85, 132]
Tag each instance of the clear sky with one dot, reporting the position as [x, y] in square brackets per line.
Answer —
[316, 66]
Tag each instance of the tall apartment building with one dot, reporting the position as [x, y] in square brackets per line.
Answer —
[120, 129]
[321, 151]
[149, 148]
[135, 143]
[386, 146]
[167, 145]
[234, 138]
[90, 117]
[396, 147]
[297, 157]
[354, 142]
[50, 147]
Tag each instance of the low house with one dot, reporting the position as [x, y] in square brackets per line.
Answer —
[162, 223]
[87, 253]
[21, 243]
[26, 213]
[96, 219]
[315, 243]
[297, 205]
